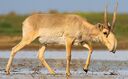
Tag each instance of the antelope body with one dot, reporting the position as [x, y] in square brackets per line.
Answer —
[54, 28]
[65, 29]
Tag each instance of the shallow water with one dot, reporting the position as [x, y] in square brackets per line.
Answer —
[104, 65]
[97, 54]
[98, 69]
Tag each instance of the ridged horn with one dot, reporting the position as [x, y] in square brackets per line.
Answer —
[114, 15]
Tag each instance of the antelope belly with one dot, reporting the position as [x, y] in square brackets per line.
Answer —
[52, 40]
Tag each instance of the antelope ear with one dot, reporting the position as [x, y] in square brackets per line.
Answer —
[99, 26]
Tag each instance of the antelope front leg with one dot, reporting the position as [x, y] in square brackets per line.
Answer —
[88, 58]
[69, 42]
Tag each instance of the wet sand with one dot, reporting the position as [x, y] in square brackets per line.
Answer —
[32, 69]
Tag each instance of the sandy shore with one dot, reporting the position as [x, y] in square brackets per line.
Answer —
[32, 69]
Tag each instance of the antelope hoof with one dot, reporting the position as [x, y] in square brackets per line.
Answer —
[113, 52]
[7, 72]
[86, 70]
[68, 74]
[53, 73]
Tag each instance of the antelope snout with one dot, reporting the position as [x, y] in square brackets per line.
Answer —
[114, 47]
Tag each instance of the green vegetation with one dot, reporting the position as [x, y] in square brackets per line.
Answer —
[11, 24]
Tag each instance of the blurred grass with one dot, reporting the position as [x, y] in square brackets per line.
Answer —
[11, 24]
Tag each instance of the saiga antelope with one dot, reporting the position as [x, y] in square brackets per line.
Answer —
[66, 29]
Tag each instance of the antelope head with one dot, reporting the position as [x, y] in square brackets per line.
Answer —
[106, 35]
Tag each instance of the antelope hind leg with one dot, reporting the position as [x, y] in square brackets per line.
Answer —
[13, 52]
[25, 41]
[42, 59]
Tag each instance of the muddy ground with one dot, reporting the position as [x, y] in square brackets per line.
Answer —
[32, 69]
